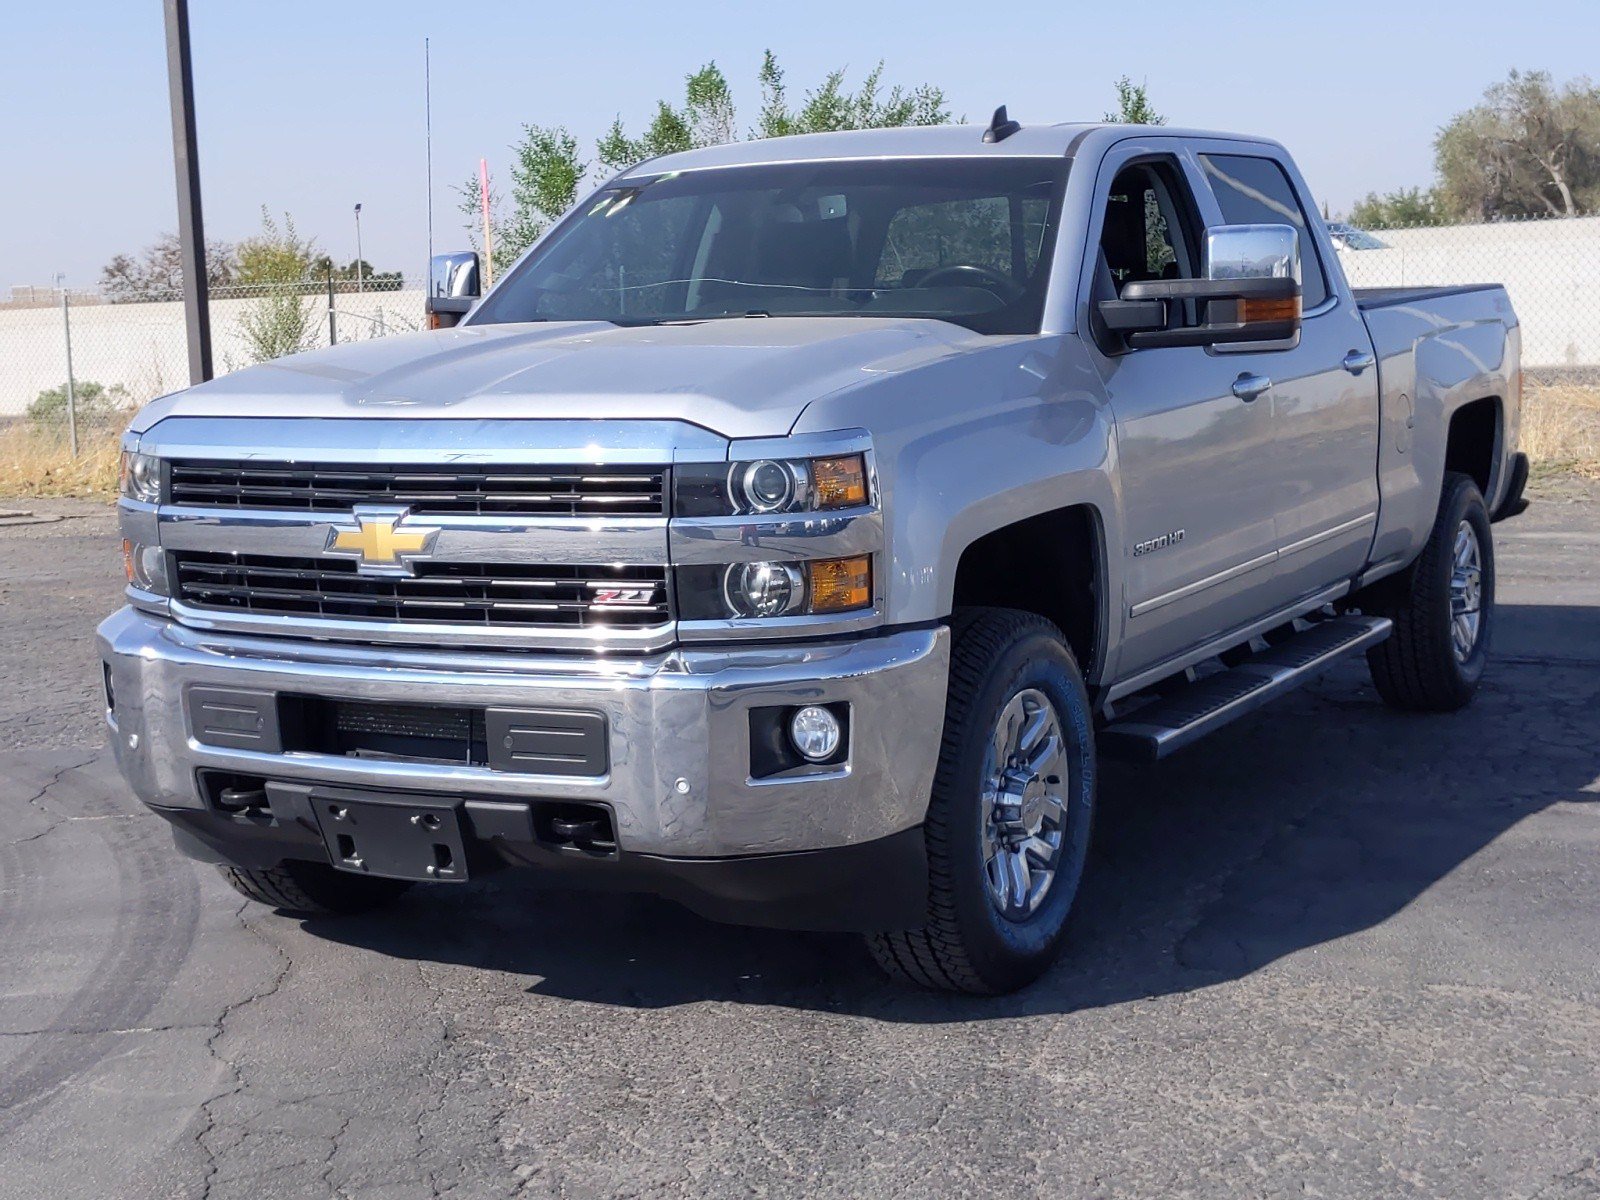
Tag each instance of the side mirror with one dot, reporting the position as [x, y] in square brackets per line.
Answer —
[1250, 293]
[453, 288]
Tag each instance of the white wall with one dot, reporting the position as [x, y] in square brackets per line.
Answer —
[1550, 268]
[143, 348]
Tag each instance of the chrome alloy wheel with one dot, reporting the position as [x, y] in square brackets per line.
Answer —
[1466, 592]
[1024, 806]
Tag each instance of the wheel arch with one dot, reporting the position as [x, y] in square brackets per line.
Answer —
[1054, 564]
[1473, 443]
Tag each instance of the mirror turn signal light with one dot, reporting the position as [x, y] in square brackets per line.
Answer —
[1252, 311]
[840, 584]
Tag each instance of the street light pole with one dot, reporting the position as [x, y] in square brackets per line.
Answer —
[360, 284]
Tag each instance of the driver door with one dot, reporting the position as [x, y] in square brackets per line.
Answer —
[1198, 500]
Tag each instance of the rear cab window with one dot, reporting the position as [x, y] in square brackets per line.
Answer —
[1252, 190]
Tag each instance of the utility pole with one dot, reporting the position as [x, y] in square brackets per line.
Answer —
[186, 164]
[427, 126]
[360, 283]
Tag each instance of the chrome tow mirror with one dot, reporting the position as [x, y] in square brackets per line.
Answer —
[1250, 296]
[453, 287]
[1252, 252]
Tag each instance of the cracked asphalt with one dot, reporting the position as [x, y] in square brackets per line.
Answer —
[1331, 951]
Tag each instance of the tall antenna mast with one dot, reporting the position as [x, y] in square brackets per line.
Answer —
[427, 110]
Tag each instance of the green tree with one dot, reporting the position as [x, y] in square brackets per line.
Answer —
[156, 273]
[832, 106]
[1133, 105]
[545, 173]
[1397, 209]
[546, 169]
[278, 263]
[92, 403]
[1529, 148]
[276, 256]
[706, 118]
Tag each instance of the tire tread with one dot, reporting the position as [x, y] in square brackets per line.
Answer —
[936, 956]
[311, 889]
[1414, 668]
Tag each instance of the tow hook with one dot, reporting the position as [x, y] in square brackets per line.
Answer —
[582, 832]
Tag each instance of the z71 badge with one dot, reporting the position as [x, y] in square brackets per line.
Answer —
[625, 595]
[1158, 543]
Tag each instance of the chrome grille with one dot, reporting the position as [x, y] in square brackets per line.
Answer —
[481, 489]
[456, 593]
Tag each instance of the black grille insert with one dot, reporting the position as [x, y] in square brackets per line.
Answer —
[440, 593]
[478, 489]
[361, 729]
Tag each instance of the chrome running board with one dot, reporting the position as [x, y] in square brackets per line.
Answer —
[1187, 714]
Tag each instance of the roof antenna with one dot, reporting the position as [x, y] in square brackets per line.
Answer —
[1000, 128]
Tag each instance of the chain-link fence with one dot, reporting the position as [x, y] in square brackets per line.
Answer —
[1551, 269]
[73, 368]
[75, 365]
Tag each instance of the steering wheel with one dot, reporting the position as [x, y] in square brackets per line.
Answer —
[1001, 286]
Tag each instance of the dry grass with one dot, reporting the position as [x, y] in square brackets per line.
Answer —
[1561, 429]
[39, 462]
[1560, 432]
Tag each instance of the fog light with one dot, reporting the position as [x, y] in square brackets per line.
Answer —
[815, 733]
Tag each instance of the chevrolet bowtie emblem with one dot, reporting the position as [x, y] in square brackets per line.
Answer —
[381, 541]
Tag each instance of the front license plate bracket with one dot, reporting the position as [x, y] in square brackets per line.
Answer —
[394, 837]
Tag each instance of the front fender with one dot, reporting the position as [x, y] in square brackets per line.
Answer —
[972, 444]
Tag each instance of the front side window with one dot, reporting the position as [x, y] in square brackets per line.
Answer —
[1142, 233]
[1255, 191]
[959, 240]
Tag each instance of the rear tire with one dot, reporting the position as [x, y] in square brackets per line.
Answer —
[310, 889]
[1007, 833]
[1442, 607]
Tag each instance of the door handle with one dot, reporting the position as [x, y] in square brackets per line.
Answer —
[1357, 361]
[1247, 387]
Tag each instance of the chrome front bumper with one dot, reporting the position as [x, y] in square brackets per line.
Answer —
[679, 782]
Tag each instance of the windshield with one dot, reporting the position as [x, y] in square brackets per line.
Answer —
[963, 240]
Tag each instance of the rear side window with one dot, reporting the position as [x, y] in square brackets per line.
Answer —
[1255, 191]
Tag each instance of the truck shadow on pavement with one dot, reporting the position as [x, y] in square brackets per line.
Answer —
[1315, 819]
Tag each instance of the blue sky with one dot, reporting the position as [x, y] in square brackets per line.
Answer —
[309, 107]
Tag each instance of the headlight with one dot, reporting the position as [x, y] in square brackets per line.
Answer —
[140, 477]
[145, 567]
[763, 589]
[770, 485]
[775, 589]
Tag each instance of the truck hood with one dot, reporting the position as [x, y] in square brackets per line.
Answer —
[748, 377]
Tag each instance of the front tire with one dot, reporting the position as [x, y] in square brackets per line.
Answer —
[1442, 608]
[309, 889]
[1011, 813]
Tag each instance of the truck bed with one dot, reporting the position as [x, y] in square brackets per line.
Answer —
[1382, 297]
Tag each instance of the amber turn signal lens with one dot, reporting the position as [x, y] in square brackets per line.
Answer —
[1252, 311]
[840, 482]
[839, 584]
[127, 559]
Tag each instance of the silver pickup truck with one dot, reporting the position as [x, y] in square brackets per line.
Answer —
[789, 530]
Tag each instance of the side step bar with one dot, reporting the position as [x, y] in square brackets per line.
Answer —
[1196, 709]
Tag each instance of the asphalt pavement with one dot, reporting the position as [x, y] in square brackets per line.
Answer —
[1331, 951]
